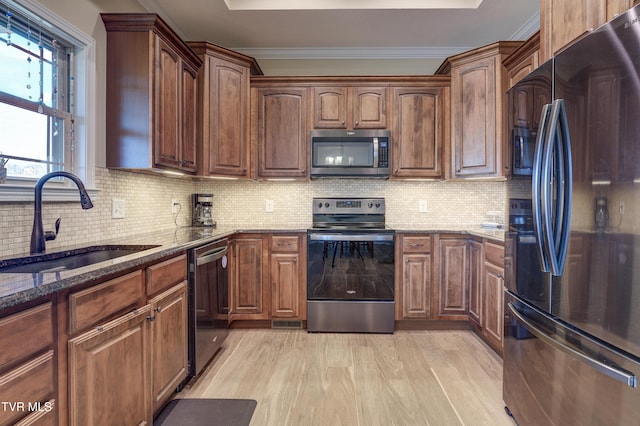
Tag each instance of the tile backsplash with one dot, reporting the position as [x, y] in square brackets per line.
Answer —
[450, 205]
[241, 204]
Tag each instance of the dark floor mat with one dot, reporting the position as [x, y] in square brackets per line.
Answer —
[207, 412]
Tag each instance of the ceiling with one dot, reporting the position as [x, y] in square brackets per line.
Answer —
[345, 33]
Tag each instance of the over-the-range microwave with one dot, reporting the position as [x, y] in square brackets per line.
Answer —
[350, 153]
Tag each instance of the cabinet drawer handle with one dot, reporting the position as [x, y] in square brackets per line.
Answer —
[151, 318]
[416, 245]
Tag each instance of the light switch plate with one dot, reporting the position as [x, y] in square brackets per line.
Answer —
[268, 206]
[423, 206]
[118, 208]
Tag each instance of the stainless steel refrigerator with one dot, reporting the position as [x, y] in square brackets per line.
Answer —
[572, 305]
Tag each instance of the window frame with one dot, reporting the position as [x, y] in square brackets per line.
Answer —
[84, 64]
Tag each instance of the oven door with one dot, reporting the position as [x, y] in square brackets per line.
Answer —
[350, 266]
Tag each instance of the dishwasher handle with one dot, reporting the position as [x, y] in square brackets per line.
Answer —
[211, 256]
[624, 376]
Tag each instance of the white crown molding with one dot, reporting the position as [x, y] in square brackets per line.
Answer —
[153, 7]
[340, 4]
[352, 52]
[528, 29]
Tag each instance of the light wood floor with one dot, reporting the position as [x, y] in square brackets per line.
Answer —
[408, 378]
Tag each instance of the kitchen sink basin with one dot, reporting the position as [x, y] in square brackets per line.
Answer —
[71, 259]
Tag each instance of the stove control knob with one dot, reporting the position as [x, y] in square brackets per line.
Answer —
[377, 205]
[319, 205]
[326, 204]
[370, 204]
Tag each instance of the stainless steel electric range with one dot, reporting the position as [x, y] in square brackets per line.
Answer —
[350, 267]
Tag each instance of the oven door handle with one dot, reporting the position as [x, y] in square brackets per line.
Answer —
[350, 237]
[211, 256]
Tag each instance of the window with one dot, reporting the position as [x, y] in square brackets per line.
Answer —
[43, 92]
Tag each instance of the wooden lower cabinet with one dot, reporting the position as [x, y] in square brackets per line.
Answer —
[493, 289]
[453, 267]
[124, 366]
[287, 276]
[169, 343]
[493, 309]
[476, 289]
[414, 278]
[109, 372]
[248, 294]
[28, 358]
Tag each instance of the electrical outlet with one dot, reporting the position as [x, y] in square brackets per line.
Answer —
[621, 207]
[174, 206]
[268, 206]
[118, 208]
[423, 206]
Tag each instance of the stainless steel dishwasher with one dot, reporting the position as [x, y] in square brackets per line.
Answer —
[208, 303]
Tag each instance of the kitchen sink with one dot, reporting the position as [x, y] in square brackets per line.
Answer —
[71, 259]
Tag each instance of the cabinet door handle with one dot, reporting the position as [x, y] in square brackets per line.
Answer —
[158, 309]
[151, 318]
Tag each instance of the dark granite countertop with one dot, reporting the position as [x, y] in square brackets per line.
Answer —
[497, 235]
[16, 288]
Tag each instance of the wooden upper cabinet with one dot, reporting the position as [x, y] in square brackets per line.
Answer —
[563, 21]
[523, 60]
[420, 130]
[478, 84]
[281, 132]
[330, 107]
[350, 107]
[152, 89]
[223, 110]
[175, 106]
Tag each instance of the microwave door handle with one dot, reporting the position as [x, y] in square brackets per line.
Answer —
[522, 153]
[375, 152]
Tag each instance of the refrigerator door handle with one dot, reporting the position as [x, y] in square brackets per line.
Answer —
[537, 182]
[565, 188]
[609, 369]
[556, 188]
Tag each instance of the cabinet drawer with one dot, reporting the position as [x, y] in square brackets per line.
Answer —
[45, 417]
[165, 274]
[32, 328]
[284, 243]
[90, 306]
[416, 244]
[30, 382]
[494, 253]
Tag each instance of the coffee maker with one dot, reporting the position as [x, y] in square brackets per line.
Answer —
[203, 210]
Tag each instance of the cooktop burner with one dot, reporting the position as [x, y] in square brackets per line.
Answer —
[349, 213]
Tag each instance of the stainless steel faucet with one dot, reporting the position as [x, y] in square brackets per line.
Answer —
[38, 236]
